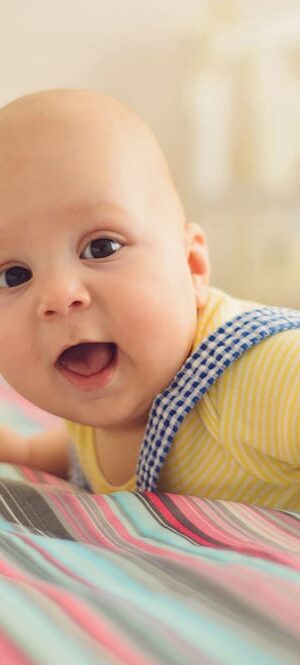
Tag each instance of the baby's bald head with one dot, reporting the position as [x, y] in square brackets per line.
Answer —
[32, 126]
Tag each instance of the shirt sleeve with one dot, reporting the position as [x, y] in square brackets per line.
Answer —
[258, 403]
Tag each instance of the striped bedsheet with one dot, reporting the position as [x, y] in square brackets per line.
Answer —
[143, 579]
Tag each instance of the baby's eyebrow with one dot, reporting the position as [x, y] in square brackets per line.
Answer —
[98, 205]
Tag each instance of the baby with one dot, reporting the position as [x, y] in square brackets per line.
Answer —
[104, 301]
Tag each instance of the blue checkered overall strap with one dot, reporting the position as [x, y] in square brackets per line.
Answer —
[196, 376]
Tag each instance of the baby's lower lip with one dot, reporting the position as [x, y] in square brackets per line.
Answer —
[97, 380]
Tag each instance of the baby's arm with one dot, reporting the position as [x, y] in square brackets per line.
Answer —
[47, 451]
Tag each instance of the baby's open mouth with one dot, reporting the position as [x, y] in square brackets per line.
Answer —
[87, 358]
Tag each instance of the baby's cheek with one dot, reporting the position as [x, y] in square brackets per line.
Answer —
[17, 359]
[10, 348]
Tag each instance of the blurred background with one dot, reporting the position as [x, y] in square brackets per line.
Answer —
[218, 81]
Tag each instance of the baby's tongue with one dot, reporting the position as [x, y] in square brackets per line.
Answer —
[87, 359]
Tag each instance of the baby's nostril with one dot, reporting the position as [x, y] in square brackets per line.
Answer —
[51, 312]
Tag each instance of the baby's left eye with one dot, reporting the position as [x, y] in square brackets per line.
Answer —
[100, 248]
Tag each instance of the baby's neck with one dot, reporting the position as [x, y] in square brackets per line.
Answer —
[118, 453]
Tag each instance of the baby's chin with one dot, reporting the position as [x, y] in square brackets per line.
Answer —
[120, 412]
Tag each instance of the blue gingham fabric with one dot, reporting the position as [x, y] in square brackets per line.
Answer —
[197, 375]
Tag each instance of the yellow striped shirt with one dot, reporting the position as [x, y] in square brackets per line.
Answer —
[242, 440]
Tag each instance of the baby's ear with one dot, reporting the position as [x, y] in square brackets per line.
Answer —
[197, 255]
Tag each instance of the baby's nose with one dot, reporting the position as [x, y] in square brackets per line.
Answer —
[61, 299]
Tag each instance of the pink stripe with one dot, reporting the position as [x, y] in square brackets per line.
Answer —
[32, 544]
[261, 593]
[37, 477]
[249, 548]
[98, 537]
[247, 528]
[126, 536]
[77, 518]
[207, 519]
[276, 531]
[10, 654]
[162, 509]
[166, 550]
[241, 580]
[252, 549]
[97, 628]
[190, 533]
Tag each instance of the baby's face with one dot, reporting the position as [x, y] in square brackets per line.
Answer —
[97, 304]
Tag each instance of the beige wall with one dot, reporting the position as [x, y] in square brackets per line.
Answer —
[131, 49]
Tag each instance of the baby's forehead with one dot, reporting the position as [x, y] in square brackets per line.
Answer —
[64, 128]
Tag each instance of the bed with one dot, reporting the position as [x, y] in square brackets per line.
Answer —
[140, 579]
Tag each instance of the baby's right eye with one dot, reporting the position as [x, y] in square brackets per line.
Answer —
[14, 276]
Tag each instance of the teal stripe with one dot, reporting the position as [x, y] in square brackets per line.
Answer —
[43, 632]
[142, 524]
[41, 626]
[114, 575]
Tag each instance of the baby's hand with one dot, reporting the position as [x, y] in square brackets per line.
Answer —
[13, 449]
[47, 451]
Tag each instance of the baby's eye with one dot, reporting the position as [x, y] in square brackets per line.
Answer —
[100, 248]
[14, 276]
